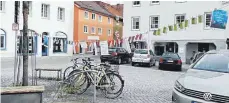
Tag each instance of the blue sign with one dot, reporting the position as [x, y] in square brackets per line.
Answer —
[219, 19]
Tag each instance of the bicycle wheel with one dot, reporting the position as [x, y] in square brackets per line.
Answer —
[67, 71]
[114, 88]
[80, 82]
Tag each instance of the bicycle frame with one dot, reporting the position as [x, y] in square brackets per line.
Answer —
[98, 75]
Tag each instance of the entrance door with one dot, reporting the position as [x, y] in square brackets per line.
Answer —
[159, 50]
[203, 47]
[45, 43]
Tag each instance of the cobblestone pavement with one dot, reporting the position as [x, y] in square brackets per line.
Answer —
[142, 85]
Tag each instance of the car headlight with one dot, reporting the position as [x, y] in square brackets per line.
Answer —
[179, 87]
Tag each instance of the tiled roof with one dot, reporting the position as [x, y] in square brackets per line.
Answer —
[114, 9]
[93, 6]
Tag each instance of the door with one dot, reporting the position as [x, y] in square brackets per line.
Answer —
[203, 47]
[45, 43]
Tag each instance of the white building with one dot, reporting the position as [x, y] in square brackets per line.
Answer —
[51, 21]
[147, 16]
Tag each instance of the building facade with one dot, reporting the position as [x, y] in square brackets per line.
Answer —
[50, 25]
[117, 11]
[147, 16]
[92, 24]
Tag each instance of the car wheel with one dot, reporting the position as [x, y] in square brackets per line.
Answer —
[128, 61]
[133, 64]
[149, 64]
[119, 61]
[154, 63]
[102, 60]
[159, 67]
[179, 69]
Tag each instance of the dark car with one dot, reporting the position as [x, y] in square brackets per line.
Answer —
[117, 55]
[170, 60]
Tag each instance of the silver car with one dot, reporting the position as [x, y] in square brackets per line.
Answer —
[144, 56]
[207, 80]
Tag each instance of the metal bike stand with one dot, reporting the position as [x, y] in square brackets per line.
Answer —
[94, 99]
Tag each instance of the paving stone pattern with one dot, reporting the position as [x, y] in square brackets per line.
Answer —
[142, 84]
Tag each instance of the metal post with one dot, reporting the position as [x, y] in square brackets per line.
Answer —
[15, 58]
[95, 81]
[17, 6]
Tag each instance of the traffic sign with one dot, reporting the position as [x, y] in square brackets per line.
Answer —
[15, 27]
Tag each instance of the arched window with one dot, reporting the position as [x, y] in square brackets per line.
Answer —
[3, 39]
[60, 42]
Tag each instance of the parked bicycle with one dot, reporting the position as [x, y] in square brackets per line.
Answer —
[109, 82]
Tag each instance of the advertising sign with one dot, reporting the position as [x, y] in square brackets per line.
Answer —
[219, 19]
[104, 48]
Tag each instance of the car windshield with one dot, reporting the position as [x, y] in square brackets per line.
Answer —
[213, 62]
[112, 50]
[141, 51]
[170, 55]
[199, 55]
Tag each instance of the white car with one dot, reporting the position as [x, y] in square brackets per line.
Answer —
[143, 56]
[206, 81]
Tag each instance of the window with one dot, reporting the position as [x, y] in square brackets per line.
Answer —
[207, 20]
[154, 22]
[109, 20]
[61, 13]
[60, 43]
[3, 39]
[93, 17]
[30, 7]
[100, 31]
[109, 32]
[2, 5]
[135, 23]
[180, 18]
[93, 31]
[100, 18]
[136, 3]
[45, 10]
[85, 29]
[86, 15]
[155, 2]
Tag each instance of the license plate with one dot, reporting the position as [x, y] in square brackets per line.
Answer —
[195, 102]
[170, 61]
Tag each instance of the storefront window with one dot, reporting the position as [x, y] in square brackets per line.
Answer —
[32, 42]
[60, 42]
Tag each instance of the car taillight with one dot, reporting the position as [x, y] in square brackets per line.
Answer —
[114, 54]
[179, 62]
[161, 60]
